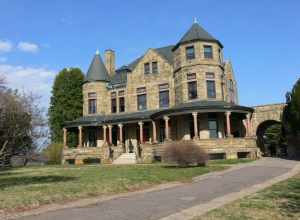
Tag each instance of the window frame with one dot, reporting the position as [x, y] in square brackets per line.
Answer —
[188, 55]
[210, 54]
[147, 68]
[156, 63]
[144, 103]
[120, 106]
[92, 106]
[211, 94]
[92, 98]
[189, 83]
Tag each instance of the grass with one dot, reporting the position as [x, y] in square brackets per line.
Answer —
[278, 202]
[30, 187]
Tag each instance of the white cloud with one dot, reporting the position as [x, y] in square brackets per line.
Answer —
[5, 46]
[28, 79]
[28, 47]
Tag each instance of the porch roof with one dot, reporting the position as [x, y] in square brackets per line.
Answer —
[95, 120]
[198, 106]
[202, 106]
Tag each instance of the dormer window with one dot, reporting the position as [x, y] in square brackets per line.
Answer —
[147, 68]
[208, 52]
[190, 53]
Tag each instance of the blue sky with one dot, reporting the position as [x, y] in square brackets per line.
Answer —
[261, 38]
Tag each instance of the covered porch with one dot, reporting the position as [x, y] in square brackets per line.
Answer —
[142, 132]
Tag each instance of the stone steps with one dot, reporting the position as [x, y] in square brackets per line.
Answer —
[126, 158]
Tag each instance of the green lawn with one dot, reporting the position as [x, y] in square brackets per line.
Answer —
[30, 187]
[279, 202]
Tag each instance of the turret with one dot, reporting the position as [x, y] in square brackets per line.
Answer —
[198, 64]
[95, 87]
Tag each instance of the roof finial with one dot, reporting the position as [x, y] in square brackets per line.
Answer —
[97, 52]
[195, 20]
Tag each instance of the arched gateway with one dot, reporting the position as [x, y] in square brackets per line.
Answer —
[185, 91]
[264, 117]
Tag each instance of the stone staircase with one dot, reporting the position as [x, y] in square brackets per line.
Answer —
[126, 158]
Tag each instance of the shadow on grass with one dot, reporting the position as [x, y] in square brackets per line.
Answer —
[27, 180]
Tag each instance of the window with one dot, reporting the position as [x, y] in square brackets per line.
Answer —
[141, 98]
[147, 68]
[192, 90]
[164, 99]
[210, 75]
[121, 104]
[113, 102]
[190, 53]
[154, 67]
[211, 89]
[213, 128]
[208, 53]
[142, 102]
[163, 95]
[113, 105]
[92, 103]
[191, 76]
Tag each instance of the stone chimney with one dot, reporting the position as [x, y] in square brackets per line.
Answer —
[110, 61]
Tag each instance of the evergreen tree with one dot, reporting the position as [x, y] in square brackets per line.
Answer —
[292, 110]
[66, 102]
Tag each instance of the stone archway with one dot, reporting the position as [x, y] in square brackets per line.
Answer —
[264, 117]
[270, 138]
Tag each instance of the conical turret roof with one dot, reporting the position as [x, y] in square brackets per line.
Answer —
[97, 70]
[196, 32]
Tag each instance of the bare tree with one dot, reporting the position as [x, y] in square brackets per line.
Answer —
[21, 124]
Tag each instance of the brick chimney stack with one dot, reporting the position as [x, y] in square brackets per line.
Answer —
[110, 59]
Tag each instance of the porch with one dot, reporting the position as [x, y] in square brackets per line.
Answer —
[226, 133]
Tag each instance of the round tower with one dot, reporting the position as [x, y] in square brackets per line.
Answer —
[198, 58]
[95, 87]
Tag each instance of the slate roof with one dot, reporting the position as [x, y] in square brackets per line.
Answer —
[97, 70]
[196, 32]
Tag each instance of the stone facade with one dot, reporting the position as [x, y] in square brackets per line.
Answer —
[201, 103]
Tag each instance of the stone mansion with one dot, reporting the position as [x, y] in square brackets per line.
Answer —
[185, 91]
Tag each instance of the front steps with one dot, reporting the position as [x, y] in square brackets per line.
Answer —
[126, 158]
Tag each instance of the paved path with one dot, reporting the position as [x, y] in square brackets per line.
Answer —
[158, 204]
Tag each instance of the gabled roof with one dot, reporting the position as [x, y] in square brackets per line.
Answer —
[196, 32]
[97, 70]
[165, 52]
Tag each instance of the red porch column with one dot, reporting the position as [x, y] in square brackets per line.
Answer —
[120, 133]
[154, 132]
[80, 136]
[228, 125]
[65, 137]
[195, 114]
[141, 132]
[110, 134]
[166, 118]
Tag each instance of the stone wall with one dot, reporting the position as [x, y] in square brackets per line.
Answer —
[230, 147]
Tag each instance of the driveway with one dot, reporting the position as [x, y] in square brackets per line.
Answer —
[161, 203]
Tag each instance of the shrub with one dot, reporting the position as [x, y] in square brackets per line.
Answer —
[185, 153]
[53, 152]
